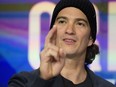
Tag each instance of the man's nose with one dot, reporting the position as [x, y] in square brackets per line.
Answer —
[70, 29]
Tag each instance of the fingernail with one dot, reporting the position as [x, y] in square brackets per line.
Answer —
[54, 25]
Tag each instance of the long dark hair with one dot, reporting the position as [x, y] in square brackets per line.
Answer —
[92, 51]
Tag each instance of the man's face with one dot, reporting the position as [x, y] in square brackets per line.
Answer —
[73, 31]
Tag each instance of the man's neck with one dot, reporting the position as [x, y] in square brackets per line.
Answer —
[74, 71]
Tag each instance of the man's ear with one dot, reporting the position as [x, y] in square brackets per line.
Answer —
[90, 41]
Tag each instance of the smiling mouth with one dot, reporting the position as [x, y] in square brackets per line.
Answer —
[69, 41]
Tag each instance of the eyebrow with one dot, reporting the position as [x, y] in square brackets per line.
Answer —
[61, 17]
[78, 19]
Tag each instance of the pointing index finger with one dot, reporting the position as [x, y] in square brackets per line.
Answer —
[51, 36]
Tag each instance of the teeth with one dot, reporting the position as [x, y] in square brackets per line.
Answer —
[69, 40]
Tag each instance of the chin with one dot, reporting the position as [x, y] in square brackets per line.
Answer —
[70, 52]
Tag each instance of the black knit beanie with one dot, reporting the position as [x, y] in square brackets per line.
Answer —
[85, 6]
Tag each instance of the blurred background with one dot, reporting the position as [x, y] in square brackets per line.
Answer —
[24, 25]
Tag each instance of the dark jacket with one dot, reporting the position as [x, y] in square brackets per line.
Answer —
[32, 79]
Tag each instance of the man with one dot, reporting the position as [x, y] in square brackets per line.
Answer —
[69, 48]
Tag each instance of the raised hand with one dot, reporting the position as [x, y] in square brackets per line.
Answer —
[52, 57]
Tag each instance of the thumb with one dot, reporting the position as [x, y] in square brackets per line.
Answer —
[62, 53]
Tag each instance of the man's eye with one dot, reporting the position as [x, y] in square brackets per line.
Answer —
[61, 21]
[80, 24]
